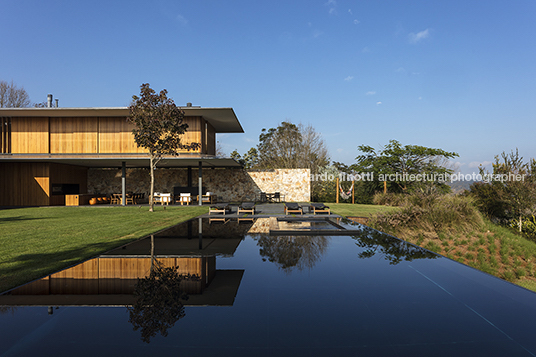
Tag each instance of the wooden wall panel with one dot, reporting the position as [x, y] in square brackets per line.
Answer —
[80, 279]
[194, 133]
[5, 135]
[115, 136]
[210, 140]
[24, 184]
[65, 174]
[118, 276]
[73, 135]
[29, 135]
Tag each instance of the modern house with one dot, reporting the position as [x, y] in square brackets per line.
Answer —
[65, 156]
[48, 153]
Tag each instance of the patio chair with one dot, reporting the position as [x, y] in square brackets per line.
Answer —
[319, 208]
[185, 198]
[209, 197]
[115, 199]
[220, 208]
[246, 207]
[293, 207]
[165, 198]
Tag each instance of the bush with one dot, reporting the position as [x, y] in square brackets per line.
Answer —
[431, 214]
[528, 226]
[390, 199]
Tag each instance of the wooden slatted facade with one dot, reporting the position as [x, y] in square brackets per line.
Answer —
[90, 135]
[119, 276]
[59, 134]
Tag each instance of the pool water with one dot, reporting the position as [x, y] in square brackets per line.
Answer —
[259, 294]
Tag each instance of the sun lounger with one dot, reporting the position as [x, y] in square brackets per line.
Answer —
[319, 208]
[219, 208]
[246, 207]
[293, 207]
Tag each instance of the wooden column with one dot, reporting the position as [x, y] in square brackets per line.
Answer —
[353, 192]
[337, 189]
[200, 183]
[123, 183]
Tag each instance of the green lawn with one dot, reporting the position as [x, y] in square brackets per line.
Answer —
[357, 210]
[39, 241]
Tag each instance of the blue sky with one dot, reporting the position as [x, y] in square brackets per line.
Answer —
[456, 75]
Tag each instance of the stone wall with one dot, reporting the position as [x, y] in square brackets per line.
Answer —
[230, 184]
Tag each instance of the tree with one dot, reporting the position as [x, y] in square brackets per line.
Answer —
[158, 127]
[279, 148]
[250, 159]
[291, 146]
[401, 164]
[12, 96]
[509, 192]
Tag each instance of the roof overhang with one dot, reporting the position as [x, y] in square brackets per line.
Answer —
[131, 161]
[224, 120]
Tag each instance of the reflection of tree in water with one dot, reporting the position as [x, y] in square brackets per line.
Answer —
[292, 252]
[393, 250]
[158, 299]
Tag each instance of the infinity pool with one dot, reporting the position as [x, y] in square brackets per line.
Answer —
[260, 294]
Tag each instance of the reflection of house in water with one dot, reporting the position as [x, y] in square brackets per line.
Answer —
[109, 279]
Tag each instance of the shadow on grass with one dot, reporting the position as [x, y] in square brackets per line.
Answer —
[22, 218]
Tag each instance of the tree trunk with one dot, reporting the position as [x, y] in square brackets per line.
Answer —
[151, 197]
[520, 224]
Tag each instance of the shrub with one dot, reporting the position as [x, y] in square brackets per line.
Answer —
[528, 226]
[390, 199]
[430, 213]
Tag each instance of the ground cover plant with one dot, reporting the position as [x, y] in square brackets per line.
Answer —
[42, 240]
[357, 210]
[452, 226]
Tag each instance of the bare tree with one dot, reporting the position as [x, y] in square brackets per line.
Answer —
[12, 96]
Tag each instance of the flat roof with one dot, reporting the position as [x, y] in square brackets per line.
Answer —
[224, 120]
[116, 160]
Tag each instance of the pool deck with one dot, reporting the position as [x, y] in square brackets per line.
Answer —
[265, 210]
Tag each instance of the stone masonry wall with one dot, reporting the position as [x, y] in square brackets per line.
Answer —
[230, 184]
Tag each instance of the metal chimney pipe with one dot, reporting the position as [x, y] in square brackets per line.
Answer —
[49, 101]
[57, 100]
[188, 104]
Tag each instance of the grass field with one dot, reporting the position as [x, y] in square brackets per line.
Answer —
[41, 240]
[357, 210]
[453, 227]
[493, 249]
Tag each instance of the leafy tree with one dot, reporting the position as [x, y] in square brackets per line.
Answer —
[279, 148]
[250, 159]
[12, 96]
[324, 183]
[291, 146]
[509, 192]
[288, 146]
[158, 127]
[398, 163]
